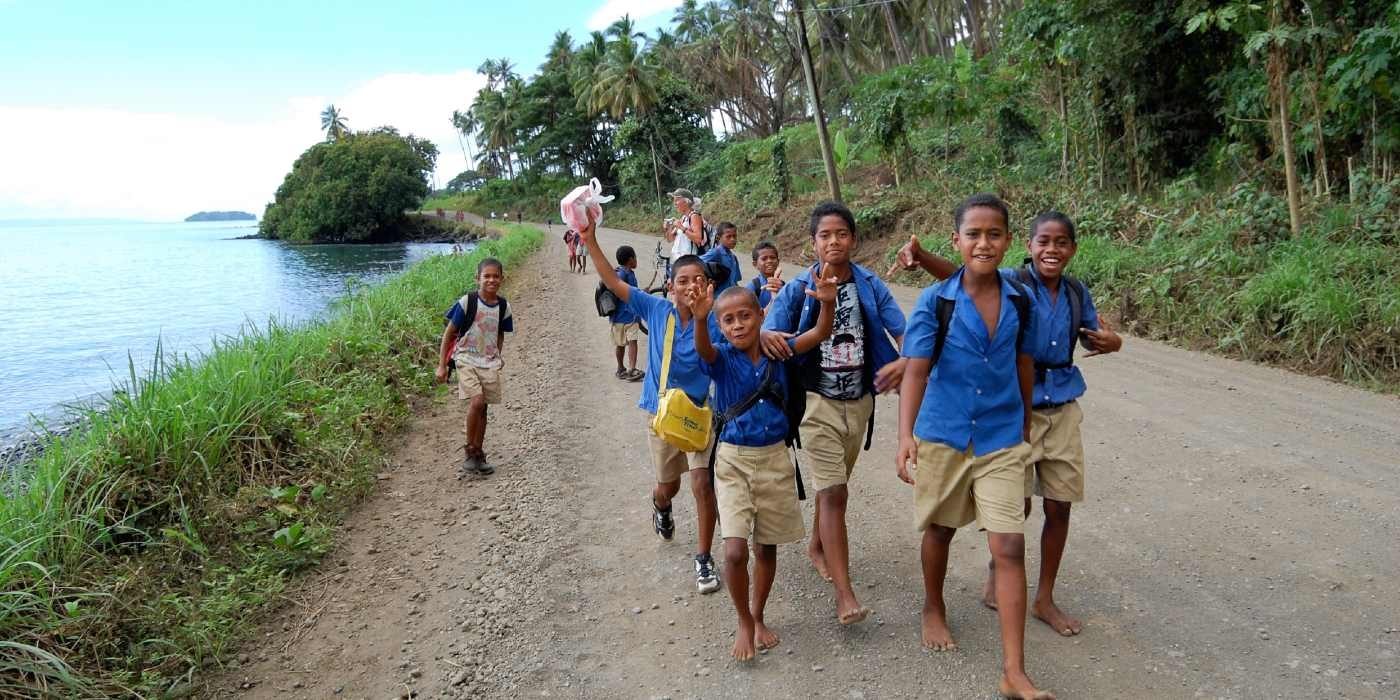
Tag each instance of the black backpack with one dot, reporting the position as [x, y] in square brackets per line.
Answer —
[469, 311]
[606, 302]
[801, 371]
[1075, 294]
[770, 389]
[943, 311]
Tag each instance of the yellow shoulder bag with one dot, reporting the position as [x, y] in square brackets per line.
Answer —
[678, 420]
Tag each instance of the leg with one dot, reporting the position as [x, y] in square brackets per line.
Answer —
[1009, 551]
[736, 573]
[989, 591]
[705, 508]
[831, 503]
[476, 424]
[618, 353]
[632, 355]
[663, 493]
[814, 547]
[933, 555]
[1052, 550]
[765, 568]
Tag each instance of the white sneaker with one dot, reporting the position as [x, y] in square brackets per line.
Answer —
[706, 580]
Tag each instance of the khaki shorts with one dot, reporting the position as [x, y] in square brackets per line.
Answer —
[833, 432]
[475, 380]
[670, 462]
[624, 333]
[756, 488]
[953, 488]
[1055, 469]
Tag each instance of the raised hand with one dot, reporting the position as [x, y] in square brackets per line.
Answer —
[701, 299]
[908, 256]
[775, 283]
[823, 287]
[1103, 340]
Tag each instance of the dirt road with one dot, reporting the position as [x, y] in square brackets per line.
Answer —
[1239, 541]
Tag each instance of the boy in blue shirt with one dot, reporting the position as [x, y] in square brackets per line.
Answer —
[687, 276]
[723, 253]
[625, 328]
[964, 417]
[841, 379]
[755, 481]
[768, 282]
[1055, 470]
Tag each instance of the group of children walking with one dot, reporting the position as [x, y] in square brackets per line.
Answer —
[984, 369]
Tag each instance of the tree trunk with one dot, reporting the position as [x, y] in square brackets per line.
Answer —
[1064, 123]
[655, 169]
[900, 53]
[974, 27]
[814, 97]
[1290, 169]
[829, 44]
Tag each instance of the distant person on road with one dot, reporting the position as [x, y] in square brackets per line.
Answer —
[581, 256]
[755, 479]
[625, 326]
[768, 282]
[964, 418]
[686, 234]
[472, 342]
[571, 241]
[519, 217]
[1065, 315]
[671, 317]
[859, 360]
[722, 255]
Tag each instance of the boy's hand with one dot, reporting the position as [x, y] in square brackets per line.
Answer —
[889, 376]
[441, 374]
[905, 458]
[775, 283]
[1103, 340]
[825, 288]
[908, 256]
[701, 299]
[775, 344]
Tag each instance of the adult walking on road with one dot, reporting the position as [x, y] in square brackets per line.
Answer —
[859, 360]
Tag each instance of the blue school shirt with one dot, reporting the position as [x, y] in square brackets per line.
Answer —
[1047, 345]
[624, 314]
[973, 395]
[795, 312]
[727, 258]
[686, 372]
[735, 378]
[759, 283]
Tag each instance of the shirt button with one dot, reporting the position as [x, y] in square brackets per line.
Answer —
[979, 392]
[1047, 397]
[985, 359]
[1054, 342]
[974, 422]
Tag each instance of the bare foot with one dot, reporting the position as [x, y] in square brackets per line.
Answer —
[848, 610]
[936, 635]
[743, 643]
[989, 592]
[819, 562]
[1052, 615]
[1020, 687]
[763, 637]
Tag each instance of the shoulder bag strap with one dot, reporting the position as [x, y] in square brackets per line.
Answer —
[666, 355]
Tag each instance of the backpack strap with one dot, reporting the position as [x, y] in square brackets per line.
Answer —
[943, 312]
[755, 287]
[768, 388]
[469, 305]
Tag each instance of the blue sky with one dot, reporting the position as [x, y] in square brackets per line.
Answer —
[153, 110]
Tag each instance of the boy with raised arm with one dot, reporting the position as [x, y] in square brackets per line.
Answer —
[686, 277]
[755, 480]
[964, 415]
[768, 282]
[841, 378]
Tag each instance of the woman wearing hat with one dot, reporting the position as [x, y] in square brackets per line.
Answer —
[686, 234]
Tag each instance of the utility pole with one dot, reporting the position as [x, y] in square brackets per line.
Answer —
[814, 98]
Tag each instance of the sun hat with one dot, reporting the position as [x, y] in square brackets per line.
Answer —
[683, 193]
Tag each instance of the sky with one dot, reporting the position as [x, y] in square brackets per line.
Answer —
[151, 110]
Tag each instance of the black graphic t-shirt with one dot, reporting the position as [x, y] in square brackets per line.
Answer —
[843, 354]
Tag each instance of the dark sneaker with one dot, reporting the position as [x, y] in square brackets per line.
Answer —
[706, 580]
[471, 466]
[661, 521]
[620, 373]
[484, 467]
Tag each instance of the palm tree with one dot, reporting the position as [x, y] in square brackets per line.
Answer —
[627, 80]
[333, 123]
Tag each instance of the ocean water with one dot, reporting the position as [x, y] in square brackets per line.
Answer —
[77, 299]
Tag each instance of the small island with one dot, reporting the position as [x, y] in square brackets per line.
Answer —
[221, 216]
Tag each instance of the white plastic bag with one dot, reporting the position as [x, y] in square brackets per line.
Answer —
[574, 207]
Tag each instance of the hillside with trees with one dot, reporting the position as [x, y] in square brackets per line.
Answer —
[1232, 165]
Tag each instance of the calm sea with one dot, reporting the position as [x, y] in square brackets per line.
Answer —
[76, 299]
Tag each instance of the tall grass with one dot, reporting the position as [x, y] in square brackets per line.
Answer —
[133, 550]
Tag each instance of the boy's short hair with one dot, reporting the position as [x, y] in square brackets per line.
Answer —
[738, 292]
[984, 199]
[685, 260]
[625, 254]
[1053, 215]
[762, 246]
[490, 262]
[826, 209]
[727, 226]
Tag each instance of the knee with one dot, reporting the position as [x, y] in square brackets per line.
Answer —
[1056, 511]
[736, 552]
[833, 498]
[1009, 548]
[700, 483]
[668, 489]
[478, 404]
[940, 534]
[767, 553]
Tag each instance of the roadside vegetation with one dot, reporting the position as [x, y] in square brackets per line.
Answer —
[138, 547]
[1232, 165]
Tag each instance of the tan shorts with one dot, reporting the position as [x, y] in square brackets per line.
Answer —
[953, 488]
[624, 333]
[756, 488]
[475, 380]
[1055, 469]
[670, 462]
[832, 434]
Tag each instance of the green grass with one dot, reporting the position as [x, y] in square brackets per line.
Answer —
[136, 548]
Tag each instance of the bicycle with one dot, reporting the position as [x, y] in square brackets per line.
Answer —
[660, 266]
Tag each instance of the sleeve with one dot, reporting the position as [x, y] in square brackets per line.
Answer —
[891, 316]
[457, 316]
[646, 305]
[716, 368]
[923, 326]
[780, 315]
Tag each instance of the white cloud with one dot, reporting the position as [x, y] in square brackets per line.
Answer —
[613, 10]
[102, 162]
